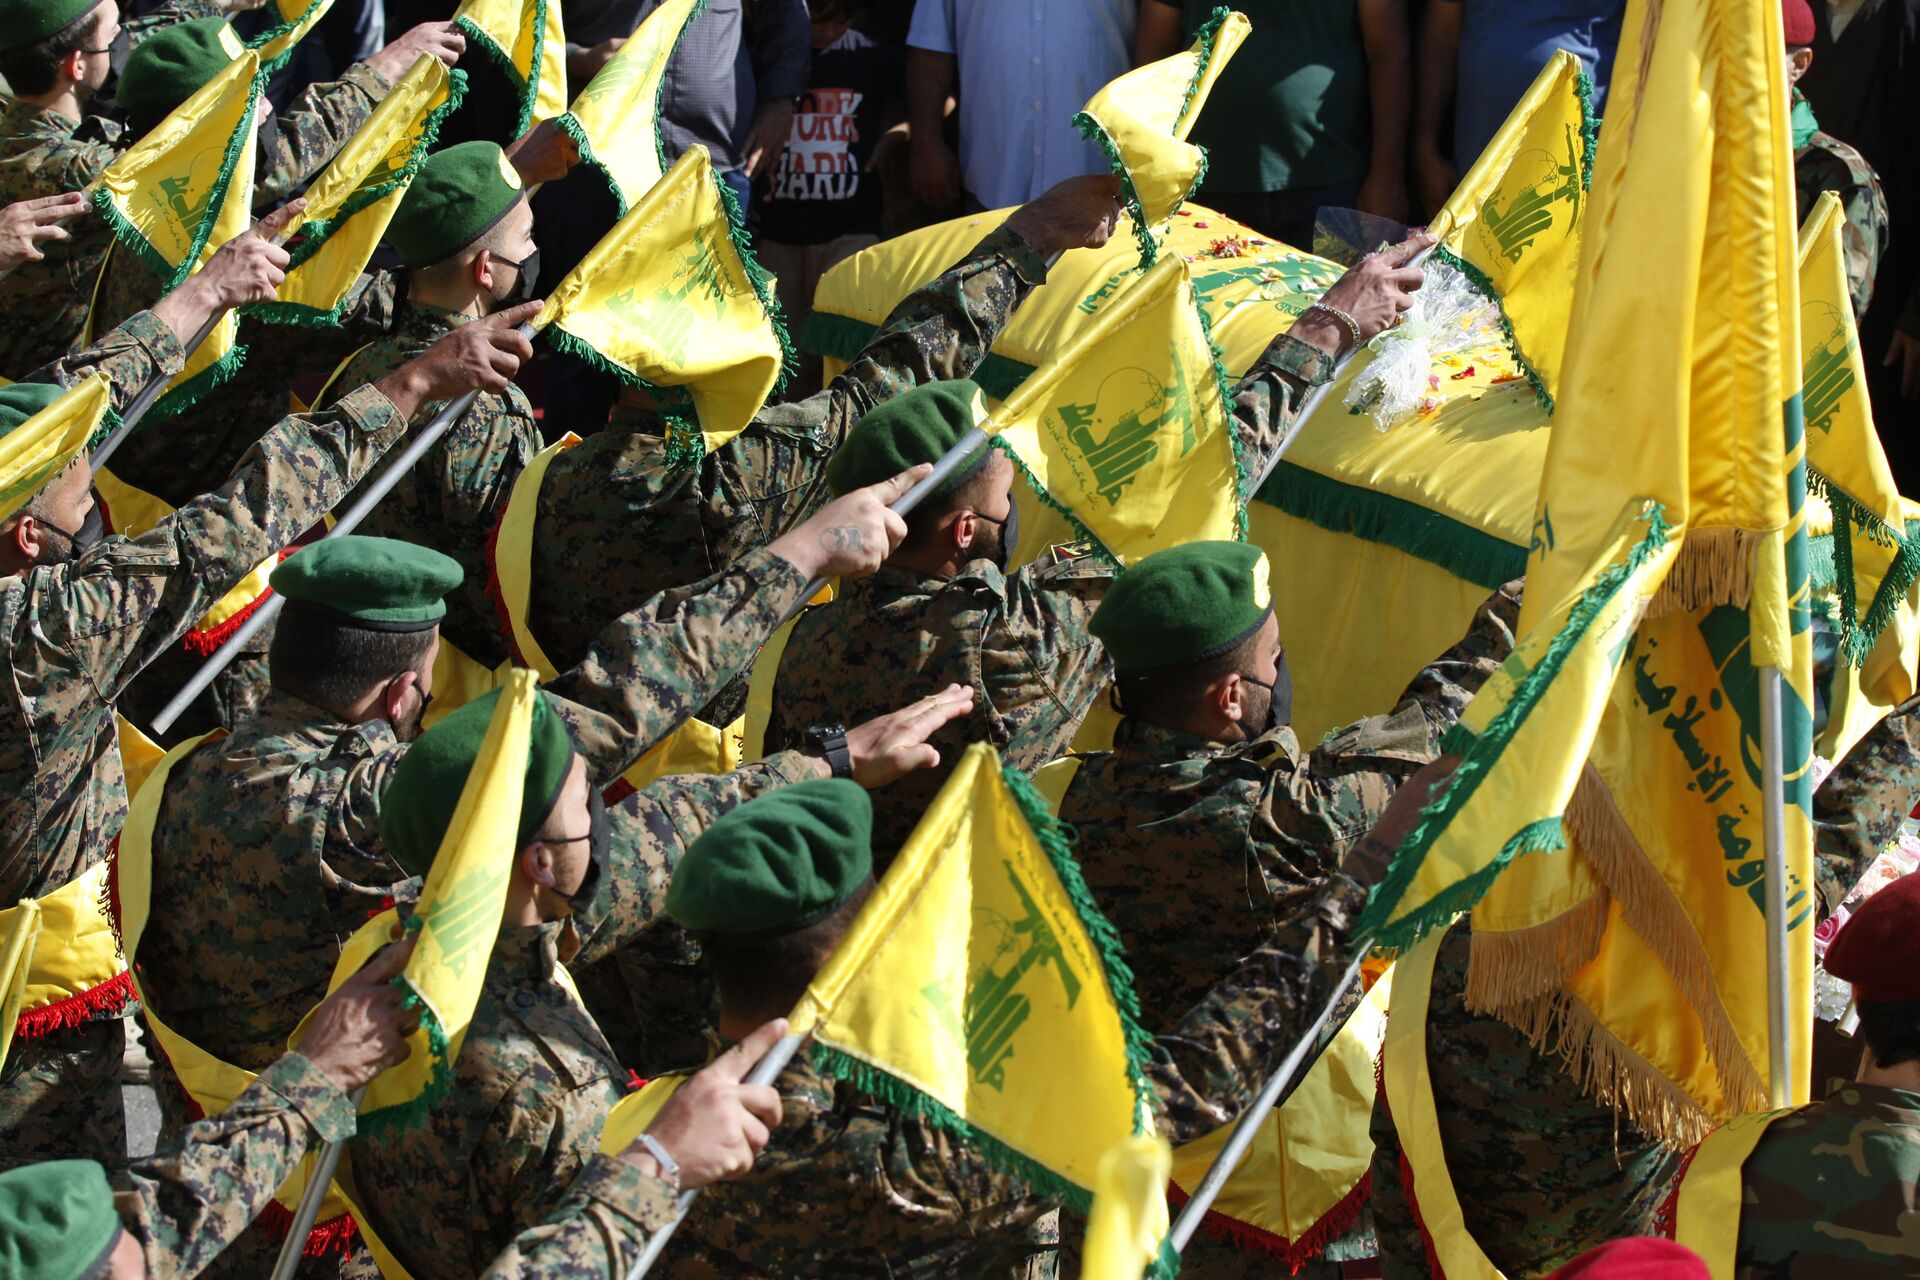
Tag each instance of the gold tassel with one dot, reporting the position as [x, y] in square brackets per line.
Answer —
[1508, 966]
[1714, 567]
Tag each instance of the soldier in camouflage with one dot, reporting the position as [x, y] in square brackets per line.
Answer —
[945, 609]
[1542, 1170]
[851, 1186]
[82, 620]
[1821, 162]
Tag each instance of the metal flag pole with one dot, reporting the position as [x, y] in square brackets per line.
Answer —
[318, 1181]
[350, 519]
[764, 1071]
[1244, 1133]
[148, 394]
[1773, 813]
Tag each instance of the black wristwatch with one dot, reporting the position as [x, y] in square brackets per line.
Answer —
[830, 740]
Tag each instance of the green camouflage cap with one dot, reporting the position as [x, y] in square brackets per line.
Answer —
[778, 862]
[56, 1220]
[458, 196]
[919, 426]
[172, 65]
[27, 22]
[1183, 605]
[381, 584]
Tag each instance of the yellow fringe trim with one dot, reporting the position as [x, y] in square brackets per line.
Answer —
[1714, 567]
[1513, 965]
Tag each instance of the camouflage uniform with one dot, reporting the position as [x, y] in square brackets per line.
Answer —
[1544, 1172]
[453, 497]
[852, 1187]
[617, 521]
[597, 1232]
[1828, 164]
[43, 153]
[75, 634]
[198, 1192]
[1019, 640]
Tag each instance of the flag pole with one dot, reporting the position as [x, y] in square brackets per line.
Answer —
[148, 394]
[765, 1071]
[425, 439]
[1773, 812]
[324, 1166]
[1249, 1127]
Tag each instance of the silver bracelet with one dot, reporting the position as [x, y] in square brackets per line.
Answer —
[669, 1167]
[1352, 326]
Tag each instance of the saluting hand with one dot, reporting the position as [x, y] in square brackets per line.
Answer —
[714, 1127]
[362, 1028]
[889, 747]
[26, 223]
[484, 355]
[852, 536]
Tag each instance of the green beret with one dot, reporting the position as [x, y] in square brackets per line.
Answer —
[172, 65]
[56, 1220]
[458, 196]
[1183, 605]
[380, 584]
[778, 862]
[919, 426]
[22, 400]
[418, 805]
[25, 22]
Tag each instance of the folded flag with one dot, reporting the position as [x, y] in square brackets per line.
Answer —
[526, 39]
[180, 193]
[42, 446]
[1129, 1218]
[672, 297]
[1141, 120]
[350, 204]
[295, 18]
[980, 989]
[615, 121]
[1513, 224]
[1126, 428]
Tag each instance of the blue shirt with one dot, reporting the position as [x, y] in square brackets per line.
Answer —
[1024, 68]
[1503, 45]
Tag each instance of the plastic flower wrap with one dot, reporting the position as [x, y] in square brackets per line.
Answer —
[1449, 316]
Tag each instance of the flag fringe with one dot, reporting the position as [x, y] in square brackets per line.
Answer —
[530, 84]
[335, 1235]
[569, 124]
[1224, 384]
[1053, 504]
[1293, 1254]
[206, 640]
[1510, 965]
[76, 1010]
[1714, 567]
[189, 394]
[1483, 285]
[1858, 634]
[388, 1123]
[1095, 132]
[760, 279]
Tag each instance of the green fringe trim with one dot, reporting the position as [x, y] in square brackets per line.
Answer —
[562, 341]
[760, 278]
[1478, 758]
[190, 393]
[1165, 1266]
[1339, 507]
[109, 423]
[1093, 131]
[1589, 126]
[660, 94]
[1859, 635]
[1056, 839]
[1484, 286]
[1205, 36]
[1225, 385]
[274, 33]
[391, 1122]
[568, 124]
[686, 443]
[530, 85]
[1046, 499]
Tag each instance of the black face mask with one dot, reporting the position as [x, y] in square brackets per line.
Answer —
[529, 275]
[79, 541]
[1009, 536]
[599, 840]
[1279, 696]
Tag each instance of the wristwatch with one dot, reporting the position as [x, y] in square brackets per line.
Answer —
[830, 740]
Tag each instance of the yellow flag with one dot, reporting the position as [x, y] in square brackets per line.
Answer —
[42, 447]
[1129, 1218]
[1513, 223]
[1643, 948]
[1142, 118]
[457, 919]
[980, 988]
[183, 191]
[615, 121]
[525, 38]
[295, 19]
[672, 297]
[1127, 429]
[350, 204]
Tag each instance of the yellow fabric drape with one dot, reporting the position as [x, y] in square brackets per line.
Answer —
[55, 948]
[616, 118]
[46, 444]
[525, 38]
[1707, 1218]
[1129, 1218]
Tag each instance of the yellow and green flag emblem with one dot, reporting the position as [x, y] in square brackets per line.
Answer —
[1142, 118]
[1126, 429]
[44, 445]
[981, 989]
[350, 204]
[457, 918]
[295, 18]
[615, 120]
[526, 40]
[1513, 224]
[672, 297]
[180, 193]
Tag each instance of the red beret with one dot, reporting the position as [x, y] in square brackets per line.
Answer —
[1797, 17]
[1636, 1258]
[1878, 948]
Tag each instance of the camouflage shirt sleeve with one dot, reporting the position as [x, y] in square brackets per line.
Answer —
[126, 601]
[195, 1195]
[651, 829]
[1213, 1064]
[131, 356]
[658, 664]
[167, 15]
[596, 1233]
[1860, 805]
[529, 1155]
[314, 127]
[1042, 630]
[1269, 396]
